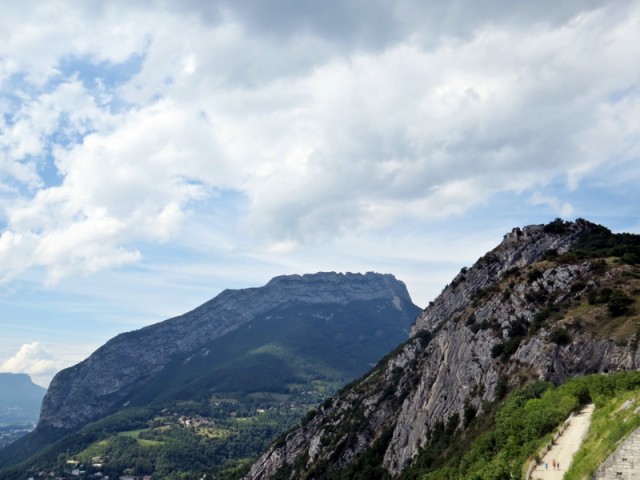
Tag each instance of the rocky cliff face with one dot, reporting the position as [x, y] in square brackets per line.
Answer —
[101, 384]
[521, 313]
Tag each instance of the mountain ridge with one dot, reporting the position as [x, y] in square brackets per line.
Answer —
[70, 403]
[532, 308]
[250, 361]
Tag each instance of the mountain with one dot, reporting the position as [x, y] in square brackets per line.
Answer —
[20, 399]
[236, 371]
[550, 302]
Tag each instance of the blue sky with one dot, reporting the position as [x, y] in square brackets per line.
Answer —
[155, 153]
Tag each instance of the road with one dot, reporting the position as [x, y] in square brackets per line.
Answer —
[565, 447]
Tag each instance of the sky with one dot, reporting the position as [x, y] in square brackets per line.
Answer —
[155, 153]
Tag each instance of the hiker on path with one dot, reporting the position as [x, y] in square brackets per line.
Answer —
[563, 450]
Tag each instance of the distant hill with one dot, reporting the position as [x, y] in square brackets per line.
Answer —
[20, 399]
[208, 390]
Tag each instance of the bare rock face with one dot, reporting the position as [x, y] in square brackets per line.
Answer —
[500, 324]
[100, 384]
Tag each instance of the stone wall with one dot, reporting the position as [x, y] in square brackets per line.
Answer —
[624, 463]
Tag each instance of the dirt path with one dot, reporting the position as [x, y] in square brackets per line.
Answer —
[565, 447]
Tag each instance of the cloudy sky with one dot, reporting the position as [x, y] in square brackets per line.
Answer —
[154, 153]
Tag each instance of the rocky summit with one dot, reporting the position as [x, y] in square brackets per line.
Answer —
[550, 302]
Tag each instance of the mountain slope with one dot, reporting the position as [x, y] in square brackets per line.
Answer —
[20, 399]
[550, 302]
[291, 346]
[277, 349]
[97, 385]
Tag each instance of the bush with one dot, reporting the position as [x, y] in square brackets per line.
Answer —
[560, 336]
[578, 286]
[501, 387]
[507, 348]
[534, 275]
[598, 267]
[618, 303]
[558, 226]
[599, 296]
[497, 350]
[469, 413]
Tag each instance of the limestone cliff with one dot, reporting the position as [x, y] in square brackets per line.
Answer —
[103, 382]
[529, 309]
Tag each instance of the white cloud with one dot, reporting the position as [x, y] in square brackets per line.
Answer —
[561, 209]
[321, 127]
[35, 360]
[131, 182]
[36, 36]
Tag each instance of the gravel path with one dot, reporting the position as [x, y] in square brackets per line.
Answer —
[565, 447]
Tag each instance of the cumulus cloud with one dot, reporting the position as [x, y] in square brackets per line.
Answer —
[35, 360]
[320, 123]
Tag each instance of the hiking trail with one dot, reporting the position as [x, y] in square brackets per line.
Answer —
[564, 447]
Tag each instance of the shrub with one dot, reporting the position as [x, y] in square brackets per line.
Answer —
[536, 296]
[501, 387]
[543, 315]
[618, 303]
[578, 286]
[534, 275]
[599, 296]
[632, 258]
[558, 226]
[469, 413]
[560, 336]
[598, 267]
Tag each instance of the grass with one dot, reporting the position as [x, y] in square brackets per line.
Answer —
[135, 434]
[213, 432]
[97, 449]
[610, 425]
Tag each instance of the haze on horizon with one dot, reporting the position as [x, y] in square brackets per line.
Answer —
[155, 153]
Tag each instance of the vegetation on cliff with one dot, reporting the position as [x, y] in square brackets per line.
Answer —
[499, 449]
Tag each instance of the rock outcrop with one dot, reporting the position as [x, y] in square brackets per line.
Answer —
[509, 320]
[101, 384]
